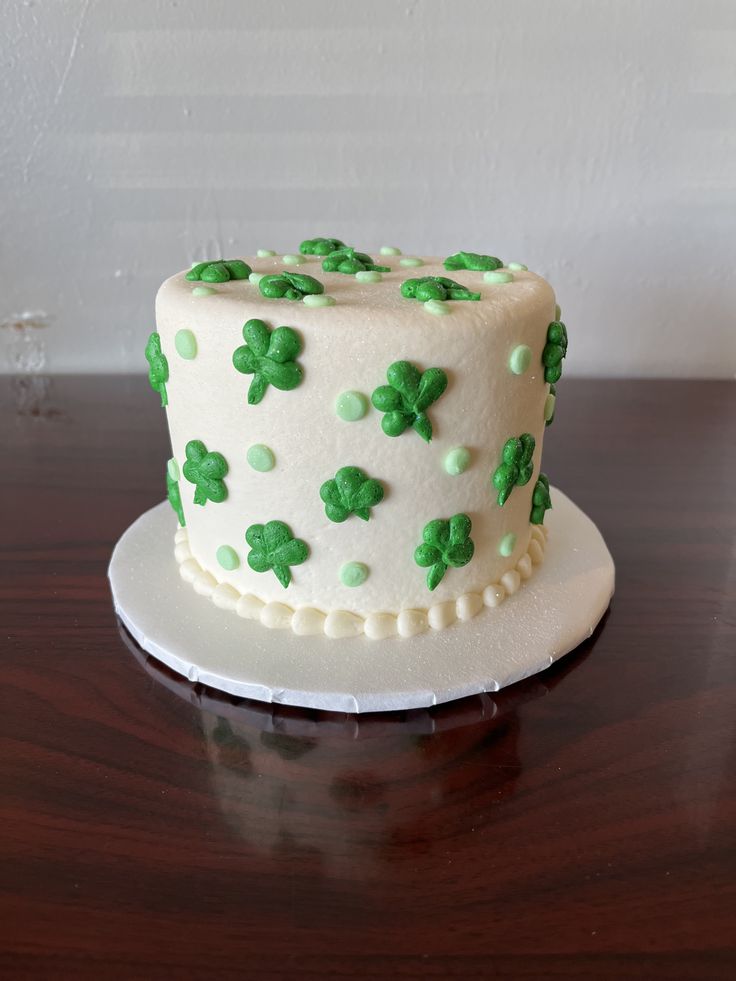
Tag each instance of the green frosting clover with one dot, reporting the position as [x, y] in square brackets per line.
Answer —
[269, 357]
[172, 493]
[541, 500]
[436, 288]
[219, 271]
[407, 397]
[274, 549]
[447, 544]
[349, 261]
[320, 246]
[554, 351]
[290, 286]
[516, 466]
[472, 260]
[158, 366]
[350, 492]
[206, 471]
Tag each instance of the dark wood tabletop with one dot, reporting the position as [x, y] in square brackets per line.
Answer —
[576, 825]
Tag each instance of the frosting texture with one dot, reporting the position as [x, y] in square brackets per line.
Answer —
[338, 435]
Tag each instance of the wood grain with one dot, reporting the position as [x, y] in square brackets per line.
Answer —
[578, 825]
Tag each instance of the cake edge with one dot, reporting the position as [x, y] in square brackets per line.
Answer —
[341, 624]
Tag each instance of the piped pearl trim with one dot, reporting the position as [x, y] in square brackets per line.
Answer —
[340, 624]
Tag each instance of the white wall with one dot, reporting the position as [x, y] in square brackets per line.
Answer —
[594, 140]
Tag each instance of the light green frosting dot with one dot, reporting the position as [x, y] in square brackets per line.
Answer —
[390, 250]
[508, 544]
[203, 291]
[498, 276]
[353, 574]
[549, 407]
[318, 300]
[255, 278]
[260, 457]
[227, 557]
[265, 253]
[558, 311]
[186, 344]
[351, 406]
[457, 461]
[517, 266]
[520, 359]
[368, 276]
[173, 469]
[411, 262]
[438, 307]
[293, 260]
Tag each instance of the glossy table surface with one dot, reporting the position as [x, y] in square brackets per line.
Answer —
[577, 825]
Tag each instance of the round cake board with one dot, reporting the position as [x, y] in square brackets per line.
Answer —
[553, 612]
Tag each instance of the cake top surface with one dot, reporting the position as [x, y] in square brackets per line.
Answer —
[396, 287]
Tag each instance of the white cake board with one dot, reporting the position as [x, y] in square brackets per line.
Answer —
[551, 614]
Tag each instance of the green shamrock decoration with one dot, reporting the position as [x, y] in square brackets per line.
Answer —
[158, 367]
[290, 286]
[407, 397]
[206, 471]
[554, 351]
[447, 544]
[320, 246]
[269, 357]
[552, 391]
[472, 260]
[274, 549]
[436, 288]
[220, 271]
[516, 466]
[350, 492]
[349, 261]
[172, 493]
[541, 500]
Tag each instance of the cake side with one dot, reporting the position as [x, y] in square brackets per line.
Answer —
[355, 556]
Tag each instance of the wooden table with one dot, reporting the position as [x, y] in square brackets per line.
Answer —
[578, 825]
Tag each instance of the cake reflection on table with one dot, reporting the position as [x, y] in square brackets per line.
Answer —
[339, 792]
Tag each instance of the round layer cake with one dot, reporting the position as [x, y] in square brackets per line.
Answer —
[357, 438]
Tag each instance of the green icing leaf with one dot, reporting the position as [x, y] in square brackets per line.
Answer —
[320, 246]
[274, 549]
[554, 351]
[289, 286]
[516, 466]
[541, 500]
[172, 493]
[219, 271]
[472, 260]
[349, 261]
[350, 492]
[436, 288]
[553, 392]
[407, 397]
[270, 356]
[446, 544]
[158, 367]
[206, 471]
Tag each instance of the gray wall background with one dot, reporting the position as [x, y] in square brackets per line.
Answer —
[594, 140]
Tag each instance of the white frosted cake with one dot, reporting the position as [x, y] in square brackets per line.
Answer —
[357, 439]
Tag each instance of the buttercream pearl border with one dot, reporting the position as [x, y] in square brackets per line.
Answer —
[340, 624]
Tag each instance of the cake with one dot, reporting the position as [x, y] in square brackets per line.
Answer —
[357, 438]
